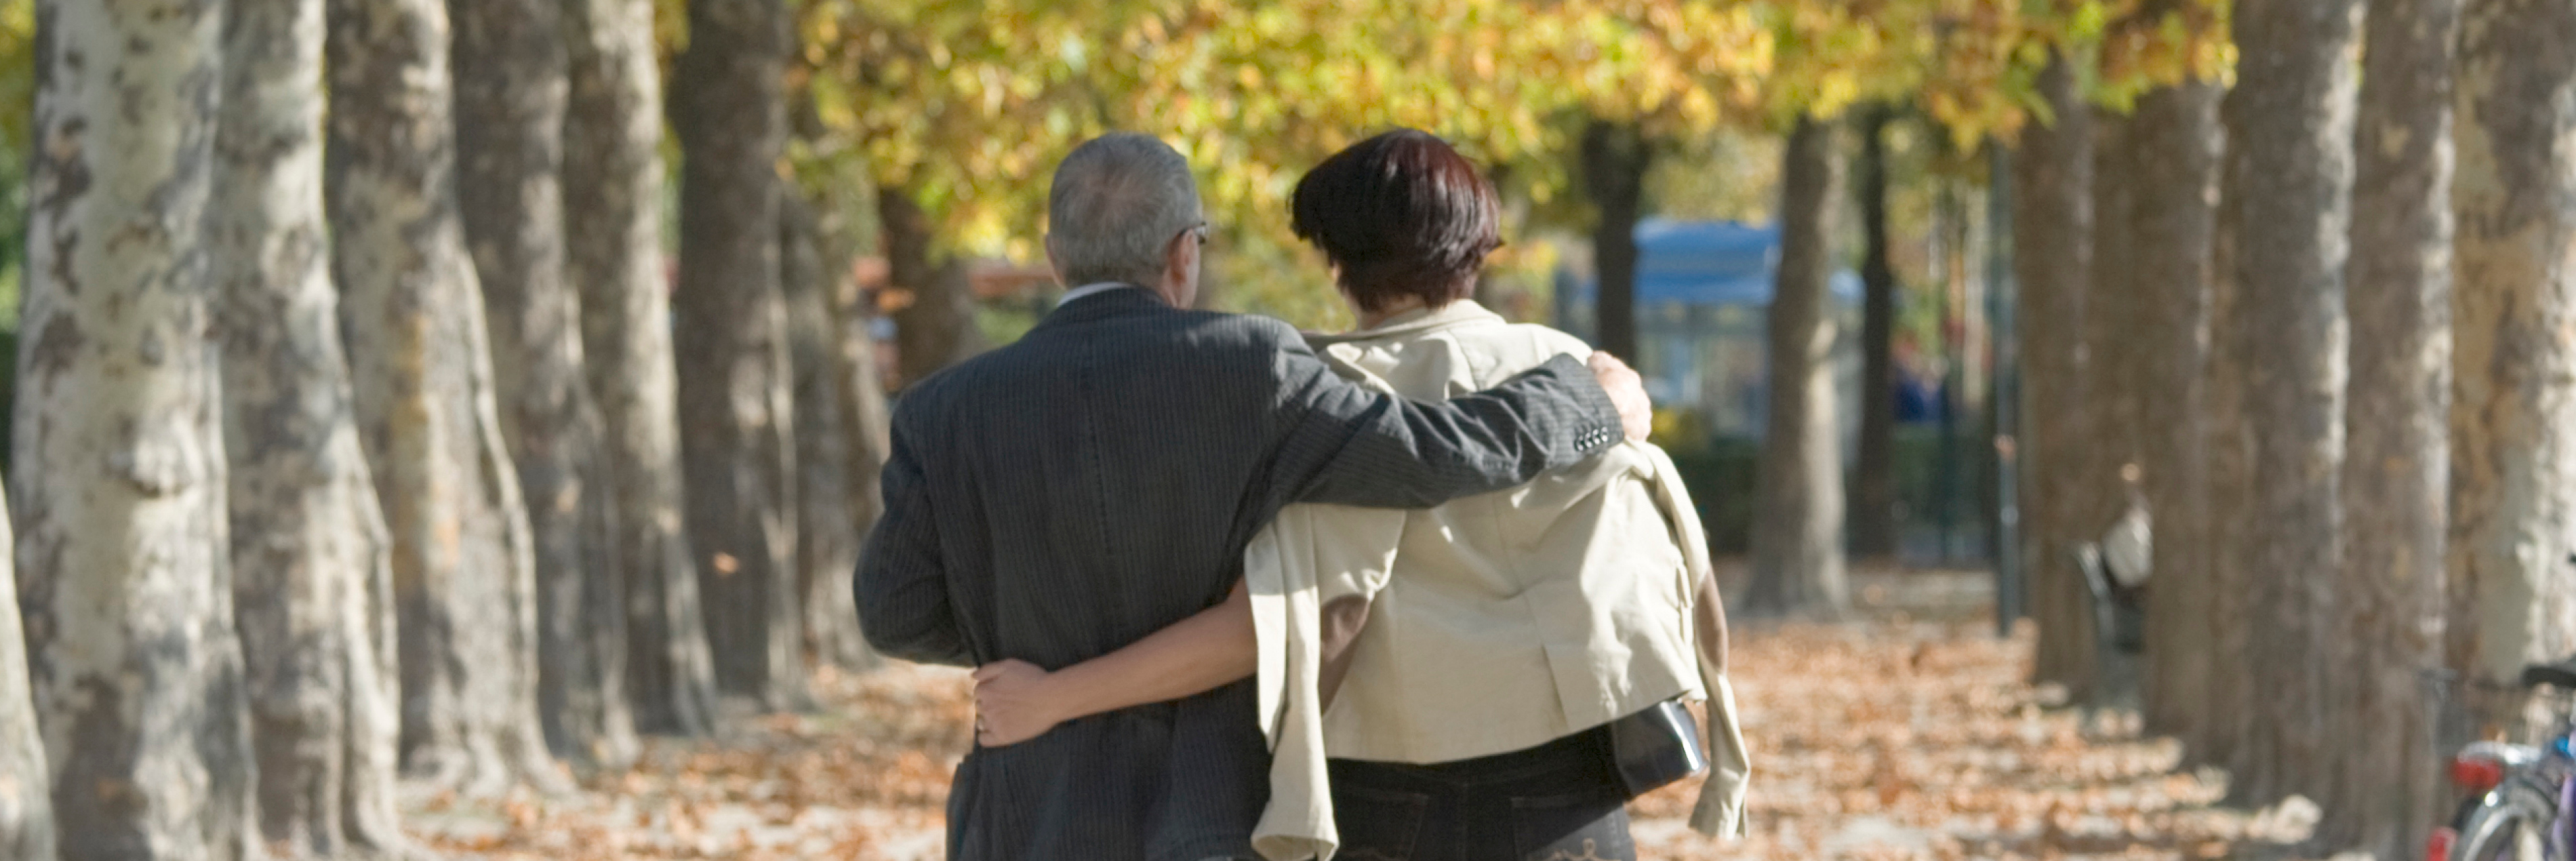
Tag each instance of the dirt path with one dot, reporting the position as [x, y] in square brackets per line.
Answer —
[1909, 735]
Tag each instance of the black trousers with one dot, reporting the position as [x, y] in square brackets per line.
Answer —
[1560, 801]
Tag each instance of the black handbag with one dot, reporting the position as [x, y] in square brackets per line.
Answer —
[1657, 746]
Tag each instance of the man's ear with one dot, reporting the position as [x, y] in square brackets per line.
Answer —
[1055, 263]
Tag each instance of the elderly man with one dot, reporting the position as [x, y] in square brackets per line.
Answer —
[1061, 497]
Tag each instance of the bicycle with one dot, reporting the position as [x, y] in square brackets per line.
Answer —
[2519, 795]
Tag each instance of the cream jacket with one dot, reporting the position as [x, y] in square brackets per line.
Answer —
[1519, 617]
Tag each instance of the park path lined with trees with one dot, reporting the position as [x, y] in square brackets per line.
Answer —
[421, 392]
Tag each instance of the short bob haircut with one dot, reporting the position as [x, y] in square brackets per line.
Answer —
[1402, 214]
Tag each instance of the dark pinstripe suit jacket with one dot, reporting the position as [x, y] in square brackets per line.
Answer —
[1061, 497]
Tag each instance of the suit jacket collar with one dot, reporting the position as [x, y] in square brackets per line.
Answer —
[1104, 305]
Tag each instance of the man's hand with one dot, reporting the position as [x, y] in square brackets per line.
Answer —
[1013, 703]
[1627, 392]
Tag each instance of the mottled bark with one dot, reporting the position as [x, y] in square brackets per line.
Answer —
[313, 576]
[1615, 158]
[2173, 146]
[26, 804]
[937, 328]
[510, 92]
[2396, 479]
[736, 407]
[1873, 518]
[827, 517]
[612, 184]
[1798, 532]
[2289, 164]
[136, 669]
[463, 569]
[2052, 225]
[2513, 415]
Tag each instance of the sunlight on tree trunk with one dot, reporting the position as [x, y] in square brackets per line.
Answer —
[827, 545]
[2513, 418]
[510, 94]
[612, 188]
[26, 802]
[137, 672]
[313, 577]
[463, 569]
[736, 410]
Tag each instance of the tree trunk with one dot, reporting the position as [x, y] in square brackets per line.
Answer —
[2052, 222]
[2173, 147]
[510, 96]
[313, 581]
[2111, 404]
[2289, 157]
[1874, 521]
[937, 329]
[736, 407]
[464, 576]
[612, 181]
[2227, 450]
[1615, 158]
[2106, 458]
[827, 546]
[120, 478]
[2396, 479]
[1798, 535]
[2513, 418]
[26, 805]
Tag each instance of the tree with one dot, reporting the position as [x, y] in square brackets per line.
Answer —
[2052, 217]
[463, 567]
[2174, 150]
[2396, 478]
[1798, 535]
[1615, 158]
[510, 103]
[827, 518]
[2289, 166]
[936, 328]
[313, 587]
[137, 673]
[2227, 449]
[1874, 522]
[2513, 457]
[735, 404]
[613, 184]
[27, 821]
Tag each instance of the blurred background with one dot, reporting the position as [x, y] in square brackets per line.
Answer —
[462, 415]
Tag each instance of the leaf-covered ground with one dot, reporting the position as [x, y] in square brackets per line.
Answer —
[1909, 734]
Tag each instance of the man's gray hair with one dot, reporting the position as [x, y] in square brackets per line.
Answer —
[1117, 202]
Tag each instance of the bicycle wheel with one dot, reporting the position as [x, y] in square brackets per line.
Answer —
[2512, 826]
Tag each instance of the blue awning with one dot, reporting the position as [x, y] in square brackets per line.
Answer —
[1708, 263]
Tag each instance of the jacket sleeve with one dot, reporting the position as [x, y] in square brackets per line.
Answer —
[1351, 445]
[902, 582]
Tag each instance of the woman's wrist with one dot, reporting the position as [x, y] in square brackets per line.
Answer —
[1058, 698]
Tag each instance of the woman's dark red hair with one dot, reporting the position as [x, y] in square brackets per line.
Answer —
[1402, 214]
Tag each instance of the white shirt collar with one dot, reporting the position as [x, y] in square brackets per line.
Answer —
[1093, 289]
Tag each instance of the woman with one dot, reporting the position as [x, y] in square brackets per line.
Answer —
[1463, 678]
